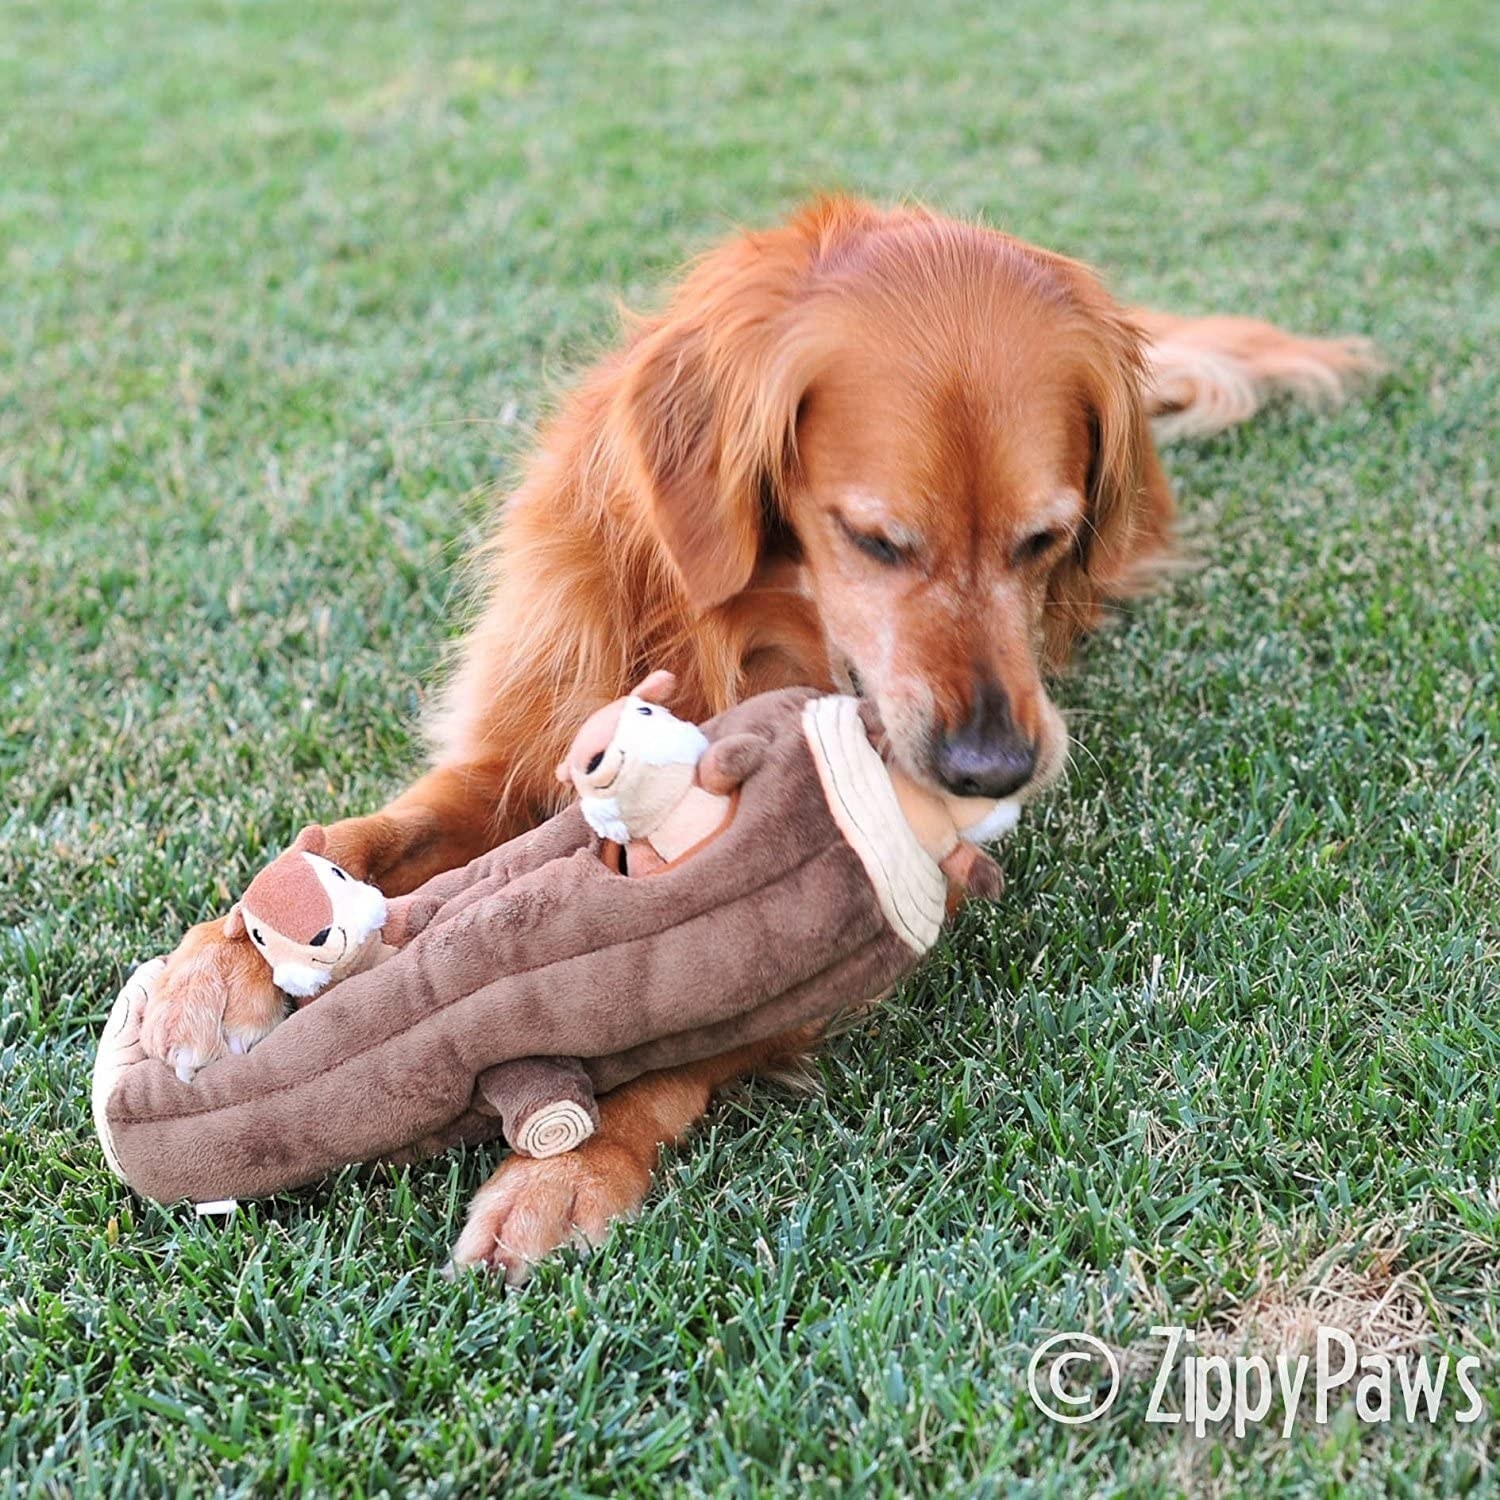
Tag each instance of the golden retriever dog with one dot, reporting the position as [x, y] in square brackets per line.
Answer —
[871, 449]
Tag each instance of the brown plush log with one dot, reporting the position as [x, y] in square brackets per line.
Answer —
[815, 897]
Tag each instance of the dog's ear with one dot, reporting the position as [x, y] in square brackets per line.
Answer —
[712, 436]
[234, 923]
[707, 408]
[1127, 525]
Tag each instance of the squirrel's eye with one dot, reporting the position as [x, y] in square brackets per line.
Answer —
[339, 873]
[259, 940]
[594, 764]
[643, 709]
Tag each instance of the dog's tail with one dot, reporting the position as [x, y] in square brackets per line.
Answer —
[1206, 374]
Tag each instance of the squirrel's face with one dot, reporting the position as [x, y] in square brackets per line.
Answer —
[631, 763]
[309, 919]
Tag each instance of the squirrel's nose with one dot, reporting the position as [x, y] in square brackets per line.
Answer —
[319, 938]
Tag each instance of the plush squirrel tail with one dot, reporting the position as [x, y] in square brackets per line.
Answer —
[1206, 374]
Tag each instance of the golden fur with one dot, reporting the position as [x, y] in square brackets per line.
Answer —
[867, 447]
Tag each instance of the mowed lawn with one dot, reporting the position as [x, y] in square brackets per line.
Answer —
[283, 289]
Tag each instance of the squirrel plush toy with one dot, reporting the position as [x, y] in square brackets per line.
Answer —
[780, 870]
[647, 781]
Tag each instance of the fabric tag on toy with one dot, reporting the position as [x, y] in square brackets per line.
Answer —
[216, 1208]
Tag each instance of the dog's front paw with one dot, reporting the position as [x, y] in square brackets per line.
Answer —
[532, 1207]
[214, 997]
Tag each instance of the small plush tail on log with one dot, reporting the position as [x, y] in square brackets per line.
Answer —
[1206, 374]
[545, 1104]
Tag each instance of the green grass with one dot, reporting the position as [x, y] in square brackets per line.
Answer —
[284, 287]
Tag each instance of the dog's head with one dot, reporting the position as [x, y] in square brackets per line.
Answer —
[943, 428]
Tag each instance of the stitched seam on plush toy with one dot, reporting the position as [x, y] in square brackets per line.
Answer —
[120, 1121]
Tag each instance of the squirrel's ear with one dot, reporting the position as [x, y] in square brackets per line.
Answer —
[312, 839]
[655, 688]
[234, 923]
[564, 775]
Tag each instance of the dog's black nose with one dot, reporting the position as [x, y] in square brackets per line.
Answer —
[319, 938]
[986, 755]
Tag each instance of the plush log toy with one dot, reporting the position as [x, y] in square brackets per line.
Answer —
[790, 874]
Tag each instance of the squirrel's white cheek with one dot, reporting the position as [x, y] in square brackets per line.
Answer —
[300, 980]
[603, 815]
[359, 910]
[357, 907]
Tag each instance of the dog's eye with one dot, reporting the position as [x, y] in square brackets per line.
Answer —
[594, 764]
[878, 548]
[882, 549]
[1034, 547]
